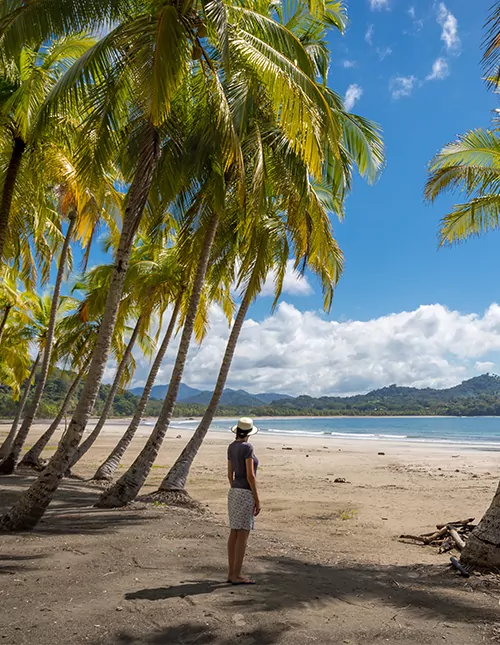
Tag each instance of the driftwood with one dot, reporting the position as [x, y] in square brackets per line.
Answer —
[456, 538]
[451, 535]
[455, 524]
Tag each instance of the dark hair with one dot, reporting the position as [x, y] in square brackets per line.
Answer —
[242, 434]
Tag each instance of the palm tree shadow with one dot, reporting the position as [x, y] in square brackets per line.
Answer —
[190, 588]
[431, 590]
[196, 634]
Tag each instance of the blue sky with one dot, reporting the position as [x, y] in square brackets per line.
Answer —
[404, 312]
[389, 236]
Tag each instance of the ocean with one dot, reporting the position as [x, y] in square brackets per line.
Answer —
[483, 431]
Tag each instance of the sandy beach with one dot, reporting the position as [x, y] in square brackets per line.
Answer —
[326, 556]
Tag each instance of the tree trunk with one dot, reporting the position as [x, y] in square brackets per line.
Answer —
[6, 446]
[85, 446]
[8, 190]
[9, 463]
[482, 549]
[178, 474]
[30, 507]
[32, 459]
[127, 487]
[107, 469]
[5, 317]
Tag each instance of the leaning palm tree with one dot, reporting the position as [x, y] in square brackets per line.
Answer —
[471, 164]
[30, 77]
[331, 162]
[167, 285]
[145, 72]
[35, 332]
[76, 336]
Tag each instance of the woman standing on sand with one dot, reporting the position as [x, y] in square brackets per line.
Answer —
[243, 497]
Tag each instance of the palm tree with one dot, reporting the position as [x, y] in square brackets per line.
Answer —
[107, 469]
[8, 465]
[6, 446]
[268, 246]
[75, 343]
[118, 380]
[139, 69]
[338, 158]
[30, 77]
[166, 283]
[33, 332]
[472, 165]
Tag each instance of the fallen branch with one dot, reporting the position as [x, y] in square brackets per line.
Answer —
[455, 524]
[447, 536]
[456, 538]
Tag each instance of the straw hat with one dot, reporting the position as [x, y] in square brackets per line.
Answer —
[245, 424]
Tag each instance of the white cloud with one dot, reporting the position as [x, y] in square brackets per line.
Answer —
[348, 63]
[484, 366]
[383, 52]
[378, 5]
[418, 23]
[440, 70]
[302, 352]
[369, 34]
[449, 27]
[401, 86]
[353, 94]
[293, 283]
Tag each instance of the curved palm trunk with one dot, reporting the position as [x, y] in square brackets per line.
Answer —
[127, 487]
[9, 463]
[107, 469]
[177, 476]
[5, 317]
[7, 444]
[30, 507]
[8, 189]
[85, 446]
[32, 459]
[482, 549]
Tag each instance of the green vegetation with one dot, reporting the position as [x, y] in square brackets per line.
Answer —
[479, 396]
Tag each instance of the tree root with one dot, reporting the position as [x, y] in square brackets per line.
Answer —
[179, 498]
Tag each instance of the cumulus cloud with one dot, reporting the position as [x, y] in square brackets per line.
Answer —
[353, 94]
[449, 27]
[440, 70]
[369, 34]
[483, 366]
[378, 5]
[293, 283]
[401, 86]
[411, 12]
[302, 352]
[348, 63]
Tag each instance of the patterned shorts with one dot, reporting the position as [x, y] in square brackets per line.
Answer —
[241, 505]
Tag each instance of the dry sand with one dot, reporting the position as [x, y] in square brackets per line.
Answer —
[326, 557]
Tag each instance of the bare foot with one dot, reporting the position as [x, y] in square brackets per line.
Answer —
[242, 581]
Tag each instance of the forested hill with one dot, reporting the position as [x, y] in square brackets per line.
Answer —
[474, 397]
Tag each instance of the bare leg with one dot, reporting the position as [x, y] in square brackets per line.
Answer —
[231, 549]
[239, 555]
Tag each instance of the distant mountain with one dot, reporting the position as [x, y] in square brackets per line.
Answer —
[202, 397]
[271, 397]
[159, 392]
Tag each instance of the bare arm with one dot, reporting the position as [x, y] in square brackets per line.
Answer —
[253, 482]
[230, 473]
